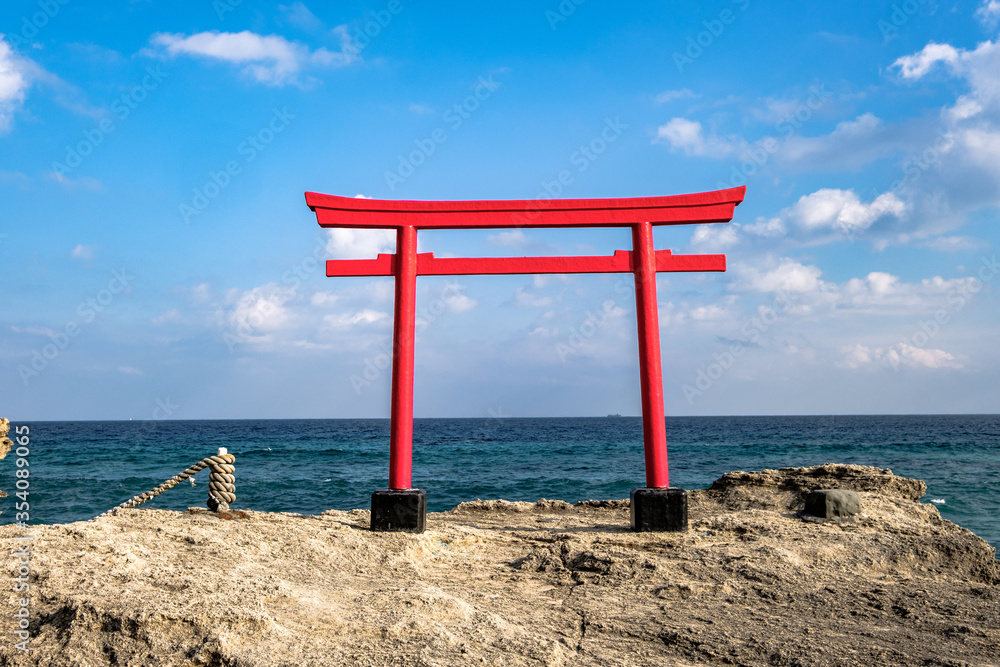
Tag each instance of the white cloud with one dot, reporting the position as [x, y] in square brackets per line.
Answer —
[952, 243]
[322, 299]
[788, 276]
[129, 370]
[980, 67]
[172, 315]
[718, 238]
[917, 65]
[894, 356]
[710, 238]
[459, 303]
[349, 243]
[710, 312]
[772, 228]
[686, 135]
[299, 16]
[842, 211]
[14, 83]
[201, 293]
[453, 299]
[514, 238]
[989, 13]
[855, 356]
[671, 95]
[270, 59]
[421, 109]
[83, 252]
[526, 299]
[362, 317]
[851, 145]
[954, 170]
[85, 182]
[255, 313]
[21, 180]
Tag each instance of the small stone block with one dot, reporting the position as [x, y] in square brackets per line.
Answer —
[399, 511]
[659, 510]
[830, 503]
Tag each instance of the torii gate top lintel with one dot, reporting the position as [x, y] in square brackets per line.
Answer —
[704, 207]
[643, 261]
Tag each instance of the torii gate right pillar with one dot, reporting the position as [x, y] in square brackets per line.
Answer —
[655, 507]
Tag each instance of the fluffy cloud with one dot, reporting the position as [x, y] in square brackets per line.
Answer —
[894, 356]
[716, 238]
[671, 95]
[842, 211]
[823, 216]
[687, 136]
[363, 317]
[514, 238]
[82, 252]
[525, 299]
[270, 59]
[14, 83]
[917, 65]
[989, 13]
[801, 289]
[787, 276]
[345, 243]
[851, 145]
[254, 315]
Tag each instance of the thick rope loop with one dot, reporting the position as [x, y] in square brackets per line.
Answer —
[221, 482]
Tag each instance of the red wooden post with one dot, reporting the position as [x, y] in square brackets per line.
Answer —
[403, 333]
[654, 427]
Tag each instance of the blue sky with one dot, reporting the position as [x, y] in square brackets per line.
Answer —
[159, 260]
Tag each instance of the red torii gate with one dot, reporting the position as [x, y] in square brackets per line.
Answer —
[657, 507]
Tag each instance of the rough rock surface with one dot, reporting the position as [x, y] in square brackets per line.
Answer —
[501, 583]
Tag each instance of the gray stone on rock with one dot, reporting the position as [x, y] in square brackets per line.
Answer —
[831, 503]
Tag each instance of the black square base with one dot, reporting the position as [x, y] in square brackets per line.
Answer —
[399, 511]
[659, 510]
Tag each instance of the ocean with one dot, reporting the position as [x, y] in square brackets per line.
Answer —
[81, 469]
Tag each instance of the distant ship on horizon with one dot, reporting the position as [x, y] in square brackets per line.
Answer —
[614, 415]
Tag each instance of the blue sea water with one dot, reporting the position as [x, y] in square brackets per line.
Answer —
[80, 469]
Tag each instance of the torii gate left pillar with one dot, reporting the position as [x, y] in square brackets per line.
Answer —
[656, 506]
